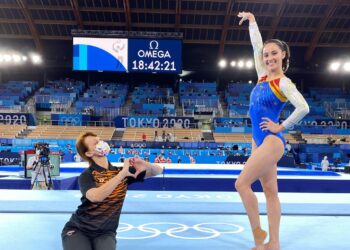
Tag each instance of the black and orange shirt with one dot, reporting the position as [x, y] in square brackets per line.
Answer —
[100, 217]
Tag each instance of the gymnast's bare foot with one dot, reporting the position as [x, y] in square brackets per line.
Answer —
[260, 247]
[259, 238]
[272, 245]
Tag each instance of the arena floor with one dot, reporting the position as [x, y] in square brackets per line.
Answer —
[159, 220]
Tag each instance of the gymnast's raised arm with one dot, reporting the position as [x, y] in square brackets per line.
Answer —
[256, 40]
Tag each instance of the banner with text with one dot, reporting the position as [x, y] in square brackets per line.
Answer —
[17, 119]
[153, 122]
[9, 158]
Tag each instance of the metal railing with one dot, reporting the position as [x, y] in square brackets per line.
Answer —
[28, 108]
[61, 108]
[74, 123]
[337, 109]
[53, 99]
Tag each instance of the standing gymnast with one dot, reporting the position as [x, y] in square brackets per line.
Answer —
[267, 99]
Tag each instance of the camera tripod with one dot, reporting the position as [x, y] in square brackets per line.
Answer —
[42, 169]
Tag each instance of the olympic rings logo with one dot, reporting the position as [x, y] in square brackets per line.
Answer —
[207, 230]
[75, 121]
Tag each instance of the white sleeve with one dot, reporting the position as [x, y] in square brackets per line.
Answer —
[257, 43]
[293, 95]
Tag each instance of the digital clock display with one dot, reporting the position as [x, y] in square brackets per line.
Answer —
[160, 55]
[127, 54]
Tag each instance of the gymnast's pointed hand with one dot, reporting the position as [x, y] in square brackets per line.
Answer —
[246, 16]
[268, 125]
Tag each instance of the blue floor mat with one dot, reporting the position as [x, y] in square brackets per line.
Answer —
[174, 232]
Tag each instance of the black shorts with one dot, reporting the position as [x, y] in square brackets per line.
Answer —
[74, 239]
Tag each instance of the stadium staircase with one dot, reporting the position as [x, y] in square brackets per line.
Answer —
[208, 136]
[24, 133]
[297, 136]
[223, 104]
[179, 111]
[128, 103]
[117, 135]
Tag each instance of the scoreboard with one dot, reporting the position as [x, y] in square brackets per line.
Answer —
[127, 55]
[154, 55]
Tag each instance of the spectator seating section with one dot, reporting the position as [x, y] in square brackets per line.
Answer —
[181, 134]
[199, 98]
[70, 132]
[149, 99]
[323, 139]
[232, 137]
[237, 97]
[58, 95]
[11, 131]
[14, 93]
[103, 99]
[239, 137]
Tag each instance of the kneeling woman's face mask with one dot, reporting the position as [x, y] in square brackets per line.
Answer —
[102, 148]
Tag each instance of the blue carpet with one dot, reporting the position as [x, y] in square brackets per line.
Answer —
[174, 232]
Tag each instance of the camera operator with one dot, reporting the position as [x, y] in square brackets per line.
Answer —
[39, 164]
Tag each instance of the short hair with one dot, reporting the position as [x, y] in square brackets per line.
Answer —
[81, 146]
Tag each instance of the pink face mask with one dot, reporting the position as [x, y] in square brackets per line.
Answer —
[102, 148]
